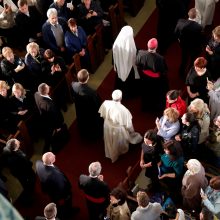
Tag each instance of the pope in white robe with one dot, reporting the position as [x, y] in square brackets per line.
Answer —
[118, 127]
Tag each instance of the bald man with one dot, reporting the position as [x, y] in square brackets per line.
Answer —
[54, 182]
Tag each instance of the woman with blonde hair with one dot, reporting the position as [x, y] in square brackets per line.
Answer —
[14, 69]
[168, 125]
[34, 59]
[21, 103]
[213, 53]
[202, 113]
[193, 180]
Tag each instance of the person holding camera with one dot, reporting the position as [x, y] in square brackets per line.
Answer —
[90, 14]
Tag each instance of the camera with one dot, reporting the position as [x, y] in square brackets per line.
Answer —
[20, 63]
[90, 11]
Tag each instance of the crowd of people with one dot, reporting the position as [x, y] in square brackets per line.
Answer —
[186, 131]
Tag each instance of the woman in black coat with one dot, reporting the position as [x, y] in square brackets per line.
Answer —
[189, 134]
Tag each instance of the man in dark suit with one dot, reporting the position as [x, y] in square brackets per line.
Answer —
[189, 34]
[62, 9]
[90, 14]
[51, 117]
[87, 104]
[53, 31]
[29, 22]
[96, 191]
[20, 167]
[55, 183]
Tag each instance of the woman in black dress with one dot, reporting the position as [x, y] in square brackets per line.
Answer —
[196, 80]
[152, 149]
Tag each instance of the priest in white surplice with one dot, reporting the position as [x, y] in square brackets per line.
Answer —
[118, 127]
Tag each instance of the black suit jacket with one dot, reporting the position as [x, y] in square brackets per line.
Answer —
[51, 115]
[94, 187]
[189, 33]
[20, 167]
[87, 104]
[53, 181]
[29, 26]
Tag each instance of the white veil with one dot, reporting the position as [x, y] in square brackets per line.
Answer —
[124, 53]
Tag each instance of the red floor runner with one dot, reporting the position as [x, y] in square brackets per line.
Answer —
[76, 156]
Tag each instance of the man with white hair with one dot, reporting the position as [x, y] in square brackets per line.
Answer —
[153, 69]
[53, 31]
[96, 191]
[118, 127]
[50, 212]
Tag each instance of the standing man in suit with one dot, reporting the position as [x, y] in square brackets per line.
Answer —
[55, 184]
[96, 191]
[189, 34]
[29, 22]
[51, 117]
[53, 31]
[87, 103]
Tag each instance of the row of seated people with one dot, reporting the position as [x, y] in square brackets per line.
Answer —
[29, 25]
[170, 118]
[41, 67]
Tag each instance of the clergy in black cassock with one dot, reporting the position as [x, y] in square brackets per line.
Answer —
[87, 103]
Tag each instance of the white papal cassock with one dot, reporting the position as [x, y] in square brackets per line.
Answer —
[118, 129]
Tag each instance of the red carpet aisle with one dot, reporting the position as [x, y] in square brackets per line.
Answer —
[76, 156]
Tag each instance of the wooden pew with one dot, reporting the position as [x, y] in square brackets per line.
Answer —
[77, 63]
[71, 75]
[135, 6]
[116, 17]
[22, 134]
[99, 44]
[91, 41]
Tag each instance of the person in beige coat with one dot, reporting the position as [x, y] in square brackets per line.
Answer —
[118, 208]
[193, 180]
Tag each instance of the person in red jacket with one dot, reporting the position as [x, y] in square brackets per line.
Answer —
[174, 100]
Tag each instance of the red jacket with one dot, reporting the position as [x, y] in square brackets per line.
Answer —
[179, 105]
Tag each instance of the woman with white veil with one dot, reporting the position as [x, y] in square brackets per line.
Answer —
[124, 56]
